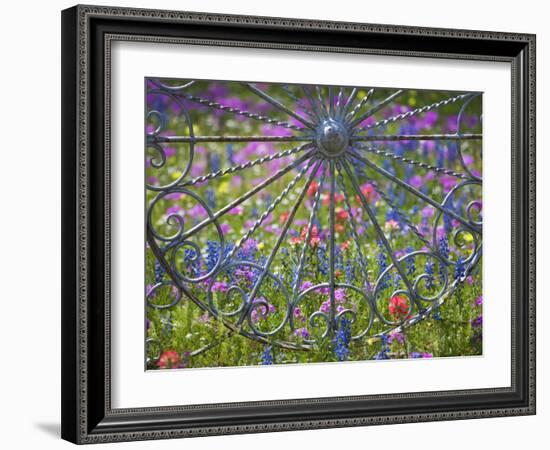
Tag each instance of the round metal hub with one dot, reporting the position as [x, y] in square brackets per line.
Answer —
[332, 138]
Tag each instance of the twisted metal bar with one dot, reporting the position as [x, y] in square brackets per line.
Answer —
[246, 196]
[359, 105]
[298, 101]
[400, 213]
[377, 107]
[414, 191]
[420, 137]
[321, 101]
[247, 165]
[269, 210]
[413, 162]
[313, 103]
[278, 105]
[215, 105]
[414, 112]
[349, 101]
[195, 139]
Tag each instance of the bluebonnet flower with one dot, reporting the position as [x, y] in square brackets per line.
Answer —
[213, 254]
[191, 260]
[211, 198]
[214, 162]
[338, 260]
[452, 152]
[392, 214]
[460, 270]
[397, 281]
[382, 265]
[341, 340]
[388, 166]
[409, 171]
[267, 357]
[384, 351]
[159, 272]
[429, 270]
[401, 198]
[444, 247]
[323, 260]
[444, 252]
[447, 223]
[440, 155]
[230, 154]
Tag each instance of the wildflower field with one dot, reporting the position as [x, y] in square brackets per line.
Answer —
[302, 224]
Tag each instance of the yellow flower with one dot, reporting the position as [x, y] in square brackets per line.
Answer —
[223, 187]
[176, 175]
[260, 245]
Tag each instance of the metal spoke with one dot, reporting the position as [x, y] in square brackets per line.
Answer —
[379, 232]
[400, 213]
[246, 165]
[377, 108]
[215, 105]
[280, 239]
[353, 225]
[349, 102]
[360, 105]
[330, 101]
[313, 103]
[278, 104]
[298, 101]
[414, 112]
[246, 196]
[339, 101]
[269, 210]
[321, 100]
[419, 137]
[413, 162]
[194, 139]
[332, 243]
[305, 245]
[414, 191]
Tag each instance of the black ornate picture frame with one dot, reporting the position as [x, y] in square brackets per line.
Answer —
[88, 33]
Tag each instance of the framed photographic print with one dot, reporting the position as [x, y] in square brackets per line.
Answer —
[282, 224]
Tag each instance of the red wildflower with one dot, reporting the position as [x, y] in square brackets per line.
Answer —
[337, 198]
[313, 187]
[399, 307]
[368, 192]
[284, 216]
[342, 215]
[314, 239]
[345, 245]
[169, 359]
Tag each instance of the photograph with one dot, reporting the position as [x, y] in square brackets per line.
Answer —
[297, 223]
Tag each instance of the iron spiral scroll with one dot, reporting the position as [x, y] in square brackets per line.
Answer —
[333, 167]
